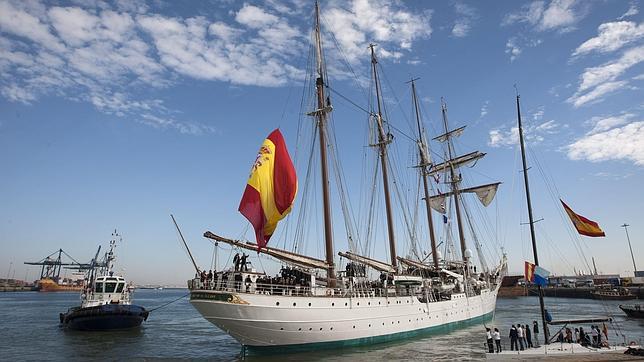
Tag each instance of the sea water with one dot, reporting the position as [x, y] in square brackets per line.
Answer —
[29, 330]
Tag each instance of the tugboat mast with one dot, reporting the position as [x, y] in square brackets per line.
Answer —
[383, 140]
[531, 220]
[321, 112]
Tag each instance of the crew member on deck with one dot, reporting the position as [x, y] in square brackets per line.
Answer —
[236, 260]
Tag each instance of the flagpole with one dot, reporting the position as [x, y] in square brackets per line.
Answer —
[532, 235]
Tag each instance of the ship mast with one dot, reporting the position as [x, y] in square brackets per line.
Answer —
[321, 113]
[454, 182]
[383, 140]
[424, 163]
[531, 220]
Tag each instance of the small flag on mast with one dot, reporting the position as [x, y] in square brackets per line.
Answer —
[584, 226]
[271, 188]
[536, 274]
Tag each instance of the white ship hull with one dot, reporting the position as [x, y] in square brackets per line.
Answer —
[259, 320]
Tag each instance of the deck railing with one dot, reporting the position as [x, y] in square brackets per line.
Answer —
[302, 290]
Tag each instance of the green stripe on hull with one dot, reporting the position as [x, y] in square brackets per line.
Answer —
[263, 350]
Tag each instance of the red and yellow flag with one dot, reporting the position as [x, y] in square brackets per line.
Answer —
[583, 225]
[271, 188]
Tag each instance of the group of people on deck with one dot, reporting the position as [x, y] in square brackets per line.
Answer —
[521, 337]
[593, 338]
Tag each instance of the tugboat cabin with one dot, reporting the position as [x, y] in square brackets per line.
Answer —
[107, 290]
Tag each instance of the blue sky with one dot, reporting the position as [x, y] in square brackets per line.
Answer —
[116, 114]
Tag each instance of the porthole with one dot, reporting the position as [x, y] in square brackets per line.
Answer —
[331, 328]
[369, 303]
[354, 327]
[388, 302]
[345, 304]
[378, 303]
[281, 329]
[358, 303]
[370, 326]
[320, 328]
[309, 304]
[277, 303]
[383, 323]
[294, 304]
[299, 329]
[310, 329]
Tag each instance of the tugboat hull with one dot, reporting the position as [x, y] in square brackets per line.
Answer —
[104, 317]
[633, 311]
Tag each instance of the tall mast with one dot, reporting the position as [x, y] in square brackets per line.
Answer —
[454, 181]
[625, 226]
[424, 163]
[321, 119]
[531, 220]
[383, 140]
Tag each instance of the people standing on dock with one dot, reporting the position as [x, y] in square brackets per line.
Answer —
[528, 336]
[583, 338]
[513, 338]
[488, 337]
[521, 336]
[577, 335]
[535, 333]
[497, 339]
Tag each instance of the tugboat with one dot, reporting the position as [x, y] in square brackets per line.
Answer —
[105, 300]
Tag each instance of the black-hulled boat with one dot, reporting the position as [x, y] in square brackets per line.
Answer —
[613, 294]
[633, 311]
[105, 300]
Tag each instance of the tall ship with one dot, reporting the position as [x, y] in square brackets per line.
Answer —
[317, 303]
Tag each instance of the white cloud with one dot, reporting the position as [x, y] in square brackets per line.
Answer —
[507, 137]
[515, 45]
[559, 15]
[255, 17]
[596, 94]
[355, 25]
[619, 143]
[632, 10]
[465, 17]
[512, 48]
[484, 108]
[602, 124]
[603, 78]
[612, 36]
[113, 55]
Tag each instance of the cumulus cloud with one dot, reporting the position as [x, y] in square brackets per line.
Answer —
[611, 37]
[361, 22]
[113, 55]
[560, 15]
[618, 143]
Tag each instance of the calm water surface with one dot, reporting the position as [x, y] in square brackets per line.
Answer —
[29, 331]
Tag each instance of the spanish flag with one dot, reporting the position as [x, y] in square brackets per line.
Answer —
[583, 225]
[271, 188]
